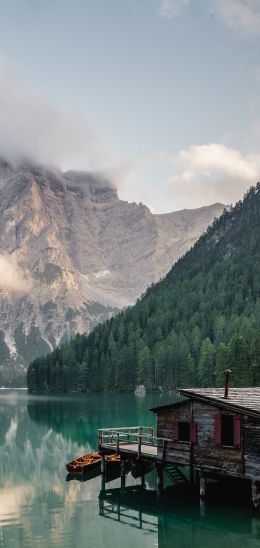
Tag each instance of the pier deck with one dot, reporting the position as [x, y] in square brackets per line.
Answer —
[135, 441]
[147, 451]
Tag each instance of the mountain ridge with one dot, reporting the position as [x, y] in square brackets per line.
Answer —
[76, 254]
[201, 319]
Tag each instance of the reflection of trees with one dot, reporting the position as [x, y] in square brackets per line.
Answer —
[5, 420]
[79, 418]
[34, 498]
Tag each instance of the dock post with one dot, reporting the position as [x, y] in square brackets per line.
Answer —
[159, 479]
[103, 463]
[191, 474]
[256, 494]
[122, 474]
[103, 472]
[101, 507]
[202, 485]
[143, 480]
[143, 475]
[203, 491]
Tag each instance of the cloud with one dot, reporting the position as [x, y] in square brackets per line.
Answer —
[241, 16]
[171, 8]
[211, 173]
[32, 126]
[12, 276]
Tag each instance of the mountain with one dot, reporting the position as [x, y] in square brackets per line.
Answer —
[187, 329]
[72, 254]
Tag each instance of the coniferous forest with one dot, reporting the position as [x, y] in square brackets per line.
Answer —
[203, 318]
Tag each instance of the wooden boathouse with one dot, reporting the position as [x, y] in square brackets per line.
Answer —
[211, 432]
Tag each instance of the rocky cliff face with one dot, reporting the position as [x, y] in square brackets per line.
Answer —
[72, 254]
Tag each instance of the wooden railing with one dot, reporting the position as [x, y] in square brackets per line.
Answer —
[142, 436]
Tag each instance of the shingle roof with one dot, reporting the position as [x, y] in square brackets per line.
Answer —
[246, 400]
[178, 401]
[241, 400]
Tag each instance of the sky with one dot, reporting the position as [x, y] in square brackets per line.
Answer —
[162, 96]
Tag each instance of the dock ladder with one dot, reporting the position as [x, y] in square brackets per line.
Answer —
[175, 474]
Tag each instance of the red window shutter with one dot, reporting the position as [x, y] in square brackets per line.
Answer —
[237, 430]
[175, 431]
[218, 429]
[193, 432]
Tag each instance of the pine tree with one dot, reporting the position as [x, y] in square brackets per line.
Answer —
[206, 366]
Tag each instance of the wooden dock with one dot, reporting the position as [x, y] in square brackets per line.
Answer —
[136, 443]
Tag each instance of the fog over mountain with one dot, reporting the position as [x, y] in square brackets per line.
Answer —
[72, 254]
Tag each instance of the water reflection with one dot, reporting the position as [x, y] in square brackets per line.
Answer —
[79, 418]
[177, 520]
[39, 508]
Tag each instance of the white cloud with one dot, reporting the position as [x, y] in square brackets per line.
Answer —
[12, 276]
[171, 8]
[211, 173]
[241, 16]
[32, 126]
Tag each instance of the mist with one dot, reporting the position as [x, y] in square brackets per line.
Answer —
[33, 127]
[12, 276]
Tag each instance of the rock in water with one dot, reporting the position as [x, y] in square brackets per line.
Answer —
[140, 390]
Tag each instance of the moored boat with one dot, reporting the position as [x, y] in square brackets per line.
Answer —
[92, 460]
[89, 462]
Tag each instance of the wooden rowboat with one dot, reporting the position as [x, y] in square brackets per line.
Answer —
[90, 461]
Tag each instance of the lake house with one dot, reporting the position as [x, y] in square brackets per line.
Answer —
[213, 432]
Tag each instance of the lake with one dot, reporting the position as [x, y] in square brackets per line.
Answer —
[39, 508]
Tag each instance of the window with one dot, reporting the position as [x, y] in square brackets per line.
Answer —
[227, 430]
[184, 431]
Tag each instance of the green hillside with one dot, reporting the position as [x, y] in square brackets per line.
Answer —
[202, 318]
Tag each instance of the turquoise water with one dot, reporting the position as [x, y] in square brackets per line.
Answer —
[39, 508]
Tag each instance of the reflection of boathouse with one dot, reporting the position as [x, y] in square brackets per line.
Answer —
[176, 519]
[214, 434]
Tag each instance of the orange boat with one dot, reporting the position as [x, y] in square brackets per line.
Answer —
[88, 462]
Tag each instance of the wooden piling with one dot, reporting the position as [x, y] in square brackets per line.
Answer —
[123, 475]
[256, 494]
[202, 485]
[191, 474]
[103, 463]
[159, 479]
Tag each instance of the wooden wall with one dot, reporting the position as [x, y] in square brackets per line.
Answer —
[251, 447]
[176, 451]
[205, 452]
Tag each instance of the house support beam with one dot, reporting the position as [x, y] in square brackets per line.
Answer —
[103, 472]
[159, 479]
[122, 475]
[203, 485]
[143, 480]
[191, 474]
[256, 494]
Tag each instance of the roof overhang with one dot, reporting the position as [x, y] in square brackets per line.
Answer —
[220, 403]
